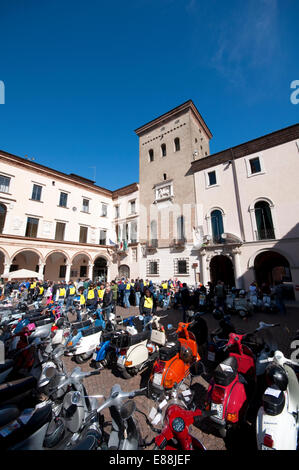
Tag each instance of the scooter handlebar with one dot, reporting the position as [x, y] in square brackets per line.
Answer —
[137, 393]
[94, 372]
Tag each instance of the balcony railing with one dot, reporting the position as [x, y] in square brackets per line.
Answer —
[265, 234]
[152, 244]
[178, 242]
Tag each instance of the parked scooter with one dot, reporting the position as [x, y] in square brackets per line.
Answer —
[175, 359]
[235, 386]
[177, 417]
[242, 305]
[218, 340]
[82, 343]
[140, 350]
[125, 433]
[38, 429]
[106, 353]
[277, 422]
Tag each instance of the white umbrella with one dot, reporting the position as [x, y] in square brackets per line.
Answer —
[24, 274]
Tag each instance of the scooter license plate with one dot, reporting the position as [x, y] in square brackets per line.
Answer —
[211, 356]
[218, 408]
[157, 379]
[121, 360]
[94, 356]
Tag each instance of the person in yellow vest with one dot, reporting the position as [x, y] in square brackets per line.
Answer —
[164, 286]
[82, 303]
[70, 295]
[101, 292]
[127, 294]
[147, 308]
[92, 296]
[31, 289]
[61, 293]
[39, 291]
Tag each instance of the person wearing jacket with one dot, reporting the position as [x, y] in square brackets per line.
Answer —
[108, 302]
[92, 296]
[114, 289]
[127, 292]
[61, 292]
[147, 308]
[82, 303]
[70, 295]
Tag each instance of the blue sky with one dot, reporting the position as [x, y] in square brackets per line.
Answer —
[80, 76]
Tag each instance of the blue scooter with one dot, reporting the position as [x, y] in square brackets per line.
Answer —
[107, 352]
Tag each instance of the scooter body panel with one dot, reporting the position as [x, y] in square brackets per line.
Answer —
[282, 428]
[88, 343]
[137, 354]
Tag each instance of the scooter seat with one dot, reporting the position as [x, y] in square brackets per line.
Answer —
[81, 324]
[139, 337]
[226, 371]
[8, 414]
[16, 439]
[91, 331]
[9, 391]
[7, 365]
[43, 322]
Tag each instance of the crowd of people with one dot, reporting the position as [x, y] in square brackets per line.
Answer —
[140, 293]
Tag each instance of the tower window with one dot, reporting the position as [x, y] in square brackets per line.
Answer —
[163, 150]
[164, 176]
[151, 155]
[177, 144]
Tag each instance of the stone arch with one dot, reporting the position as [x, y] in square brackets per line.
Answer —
[83, 253]
[34, 250]
[57, 251]
[252, 258]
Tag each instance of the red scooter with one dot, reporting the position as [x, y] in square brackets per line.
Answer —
[178, 417]
[235, 384]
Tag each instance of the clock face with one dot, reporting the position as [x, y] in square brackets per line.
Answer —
[178, 425]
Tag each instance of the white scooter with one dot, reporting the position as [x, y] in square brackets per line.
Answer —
[277, 422]
[83, 344]
[139, 350]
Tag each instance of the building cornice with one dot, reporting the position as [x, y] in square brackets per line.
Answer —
[247, 148]
[187, 106]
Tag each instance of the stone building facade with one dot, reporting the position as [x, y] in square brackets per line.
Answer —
[193, 216]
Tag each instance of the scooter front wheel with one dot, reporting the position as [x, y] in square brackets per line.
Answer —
[125, 374]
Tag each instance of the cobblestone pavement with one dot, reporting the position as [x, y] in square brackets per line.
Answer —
[101, 384]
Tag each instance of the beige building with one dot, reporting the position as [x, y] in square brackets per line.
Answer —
[193, 216]
[62, 226]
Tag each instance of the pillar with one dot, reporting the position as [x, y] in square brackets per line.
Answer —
[41, 270]
[237, 267]
[90, 271]
[203, 268]
[68, 272]
[6, 270]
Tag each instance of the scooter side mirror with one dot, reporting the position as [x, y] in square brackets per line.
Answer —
[127, 409]
[50, 372]
[197, 368]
